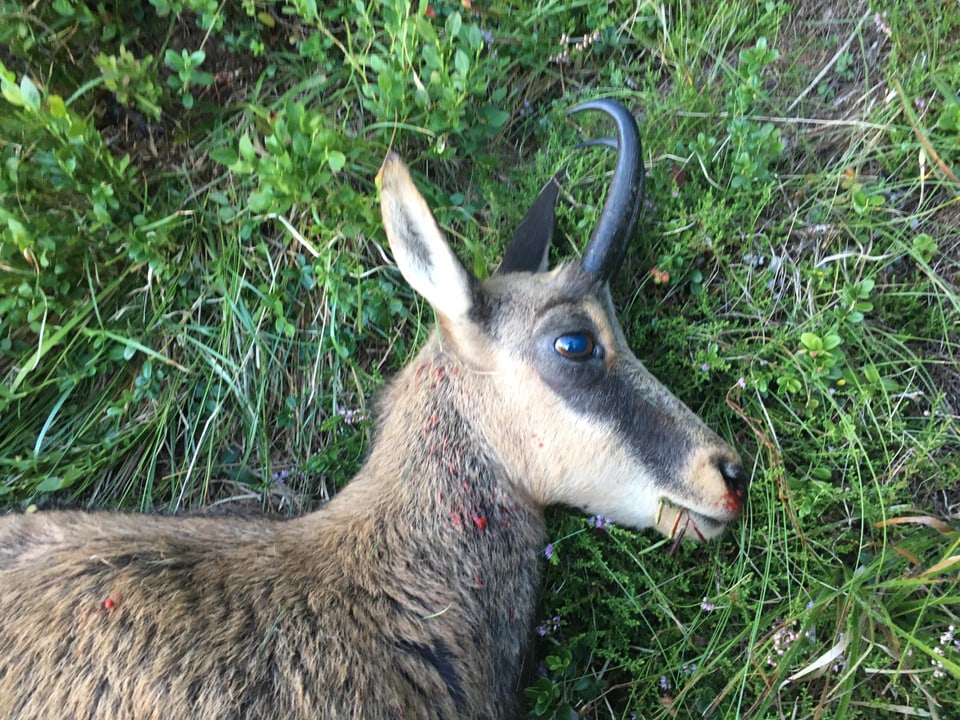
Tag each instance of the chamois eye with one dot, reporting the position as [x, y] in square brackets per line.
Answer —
[575, 346]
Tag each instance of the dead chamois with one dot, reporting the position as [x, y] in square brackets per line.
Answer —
[412, 593]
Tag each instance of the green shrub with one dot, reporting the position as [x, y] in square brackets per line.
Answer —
[195, 305]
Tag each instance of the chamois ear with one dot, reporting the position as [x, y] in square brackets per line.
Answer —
[419, 248]
[530, 247]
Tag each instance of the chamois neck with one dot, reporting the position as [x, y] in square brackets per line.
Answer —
[432, 447]
[436, 524]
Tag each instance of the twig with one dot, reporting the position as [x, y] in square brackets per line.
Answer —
[833, 61]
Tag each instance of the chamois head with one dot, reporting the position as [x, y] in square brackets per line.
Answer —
[567, 410]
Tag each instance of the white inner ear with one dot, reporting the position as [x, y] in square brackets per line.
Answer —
[418, 246]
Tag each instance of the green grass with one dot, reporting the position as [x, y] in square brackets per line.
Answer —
[195, 306]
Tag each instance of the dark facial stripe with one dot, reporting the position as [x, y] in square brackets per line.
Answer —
[650, 430]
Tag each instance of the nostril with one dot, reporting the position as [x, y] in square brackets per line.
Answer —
[735, 477]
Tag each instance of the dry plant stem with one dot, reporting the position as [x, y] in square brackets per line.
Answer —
[833, 61]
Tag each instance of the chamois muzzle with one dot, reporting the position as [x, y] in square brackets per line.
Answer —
[618, 219]
[735, 477]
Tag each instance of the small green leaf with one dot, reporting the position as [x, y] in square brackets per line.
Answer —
[431, 57]
[300, 145]
[172, 60]
[64, 8]
[336, 160]
[21, 236]
[831, 340]
[29, 93]
[262, 200]
[475, 40]
[811, 341]
[225, 156]
[77, 131]
[461, 62]
[950, 117]
[925, 246]
[246, 148]
[495, 117]
[454, 21]
[822, 473]
[52, 484]
[57, 107]
[10, 91]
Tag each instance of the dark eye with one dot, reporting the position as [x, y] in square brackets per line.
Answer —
[575, 346]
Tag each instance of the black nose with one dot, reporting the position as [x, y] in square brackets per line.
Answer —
[735, 477]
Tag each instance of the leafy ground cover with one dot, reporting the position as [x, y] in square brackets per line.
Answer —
[196, 307]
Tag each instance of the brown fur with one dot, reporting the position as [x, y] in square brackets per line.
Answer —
[367, 609]
[411, 595]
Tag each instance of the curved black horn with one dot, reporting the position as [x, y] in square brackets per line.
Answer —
[608, 243]
[607, 142]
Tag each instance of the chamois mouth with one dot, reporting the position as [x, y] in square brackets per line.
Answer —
[687, 522]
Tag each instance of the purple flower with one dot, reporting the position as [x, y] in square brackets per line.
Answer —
[551, 626]
[947, 637]
[350, 416]
[601, 522]
[880, 20]
[548, 551]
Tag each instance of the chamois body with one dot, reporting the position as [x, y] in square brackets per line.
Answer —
[412, 593]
